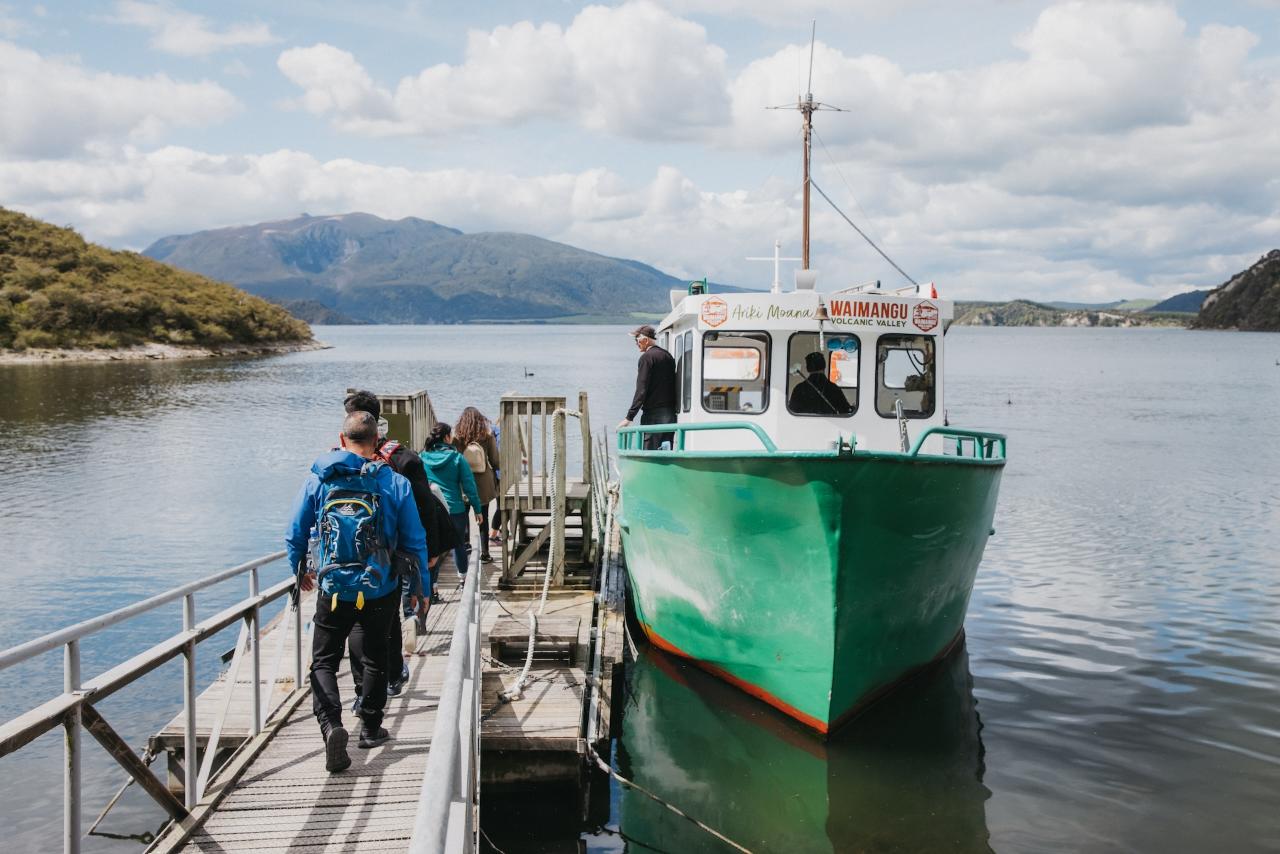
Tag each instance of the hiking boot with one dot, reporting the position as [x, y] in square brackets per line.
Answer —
[335, 750]
[485, 558]
[372, 738]
[394, 687]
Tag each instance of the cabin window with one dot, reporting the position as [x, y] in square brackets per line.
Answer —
[686, 382]
[906, 371]
[822, 374]
[735, 372]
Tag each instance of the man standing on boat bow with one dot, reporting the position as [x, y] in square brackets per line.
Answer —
[655, 388]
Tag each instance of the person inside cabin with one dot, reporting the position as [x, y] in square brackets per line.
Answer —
[655, 388]
[357, 585]
[816, 394]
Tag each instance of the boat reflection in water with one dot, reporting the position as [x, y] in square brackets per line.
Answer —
[905, 776]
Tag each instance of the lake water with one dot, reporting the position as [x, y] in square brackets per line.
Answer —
[1120, 689]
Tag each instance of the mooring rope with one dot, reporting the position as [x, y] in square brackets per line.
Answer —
[516, 691]
[608, 769]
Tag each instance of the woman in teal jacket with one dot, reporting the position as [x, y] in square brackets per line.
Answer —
[448, 469]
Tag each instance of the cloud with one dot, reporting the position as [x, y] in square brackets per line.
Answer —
[10, 25]
[185, 33]
[633, 70]
[976, 240]
[56, 107]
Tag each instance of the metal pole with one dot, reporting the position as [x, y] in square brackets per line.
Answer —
[255, 718]
[297, 645]
[807, 109]
[71, 773]
[190, 763]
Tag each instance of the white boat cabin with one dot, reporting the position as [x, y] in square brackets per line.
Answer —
[767, 359]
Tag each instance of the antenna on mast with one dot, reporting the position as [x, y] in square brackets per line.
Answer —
[806, 107]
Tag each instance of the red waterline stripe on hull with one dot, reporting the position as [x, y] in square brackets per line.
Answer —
[754, 690]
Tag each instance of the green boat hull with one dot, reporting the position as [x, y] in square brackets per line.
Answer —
[907, 778]
[814, 582]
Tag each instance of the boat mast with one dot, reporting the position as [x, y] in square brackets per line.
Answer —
[806, 106]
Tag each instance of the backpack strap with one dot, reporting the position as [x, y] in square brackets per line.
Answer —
[388, 448]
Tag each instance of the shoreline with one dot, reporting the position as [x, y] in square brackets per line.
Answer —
[154, 352]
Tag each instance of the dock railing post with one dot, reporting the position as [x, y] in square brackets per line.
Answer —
[255, 715]
[71, 774]
[190, 761]
[558, 509]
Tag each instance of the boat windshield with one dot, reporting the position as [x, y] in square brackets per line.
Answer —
[822, 375]
[905, 371]
[735, 372]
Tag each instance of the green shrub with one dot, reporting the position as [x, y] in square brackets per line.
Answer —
[57, 290]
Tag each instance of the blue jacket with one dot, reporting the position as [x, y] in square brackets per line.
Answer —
[448, 469]
[398, 517]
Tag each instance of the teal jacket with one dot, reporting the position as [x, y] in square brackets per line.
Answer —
[448, 469]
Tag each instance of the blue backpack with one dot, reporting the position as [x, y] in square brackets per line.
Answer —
[353, 557]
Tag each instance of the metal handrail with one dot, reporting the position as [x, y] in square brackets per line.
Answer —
[629, 437]
[74, 709]
[446, 820]
[53, 640]
[985, 443]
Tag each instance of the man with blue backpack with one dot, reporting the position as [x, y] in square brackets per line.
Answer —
[362, 512]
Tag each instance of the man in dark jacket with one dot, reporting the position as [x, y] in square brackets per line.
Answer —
[440, 538]
[655, 388]
[817, 394]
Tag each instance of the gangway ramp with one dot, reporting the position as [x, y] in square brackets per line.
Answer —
[279, 797]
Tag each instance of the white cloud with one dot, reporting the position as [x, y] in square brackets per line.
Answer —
[55, 107]
[185, 33]
[634, 70]
[976, 240]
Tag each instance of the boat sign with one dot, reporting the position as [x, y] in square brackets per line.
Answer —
[715, 311]
[925, 316]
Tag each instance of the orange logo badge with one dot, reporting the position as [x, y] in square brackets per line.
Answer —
[715, 311]
[925, 316]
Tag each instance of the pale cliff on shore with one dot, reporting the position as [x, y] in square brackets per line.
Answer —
[154, 352]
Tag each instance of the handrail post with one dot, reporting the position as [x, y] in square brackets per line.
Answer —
[297, 641]
[71, 773]
[255, 716]
[190, 759]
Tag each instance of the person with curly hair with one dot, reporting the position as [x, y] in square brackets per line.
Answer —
[474, 438]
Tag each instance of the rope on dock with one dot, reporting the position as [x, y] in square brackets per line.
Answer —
[608, 769]
[557, 462]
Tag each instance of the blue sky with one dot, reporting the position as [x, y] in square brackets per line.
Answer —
[1071, 150]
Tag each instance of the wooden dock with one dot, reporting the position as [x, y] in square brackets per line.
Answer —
[279, 797]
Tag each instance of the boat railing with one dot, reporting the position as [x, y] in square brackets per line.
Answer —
[446, 819]
[968, 444]
[77, 706]
[632, 438]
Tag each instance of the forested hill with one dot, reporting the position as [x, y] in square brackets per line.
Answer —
[59, 291]
[365, 268]
[1249, 300]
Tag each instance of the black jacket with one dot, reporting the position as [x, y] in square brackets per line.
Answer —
[655, 382]
[818, 395]
[434, 515]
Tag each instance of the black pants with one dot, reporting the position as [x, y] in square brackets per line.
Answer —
[328, 642]
[395, 658]
[653, 441]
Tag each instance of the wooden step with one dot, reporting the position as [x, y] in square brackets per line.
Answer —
[556, 636]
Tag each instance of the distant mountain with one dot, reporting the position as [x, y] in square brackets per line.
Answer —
[1189, 302]
[414, 271]
[1027, 313]
[1249, 300]
[59, 291]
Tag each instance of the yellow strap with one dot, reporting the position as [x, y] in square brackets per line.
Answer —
[359, 600]
[333, 603]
